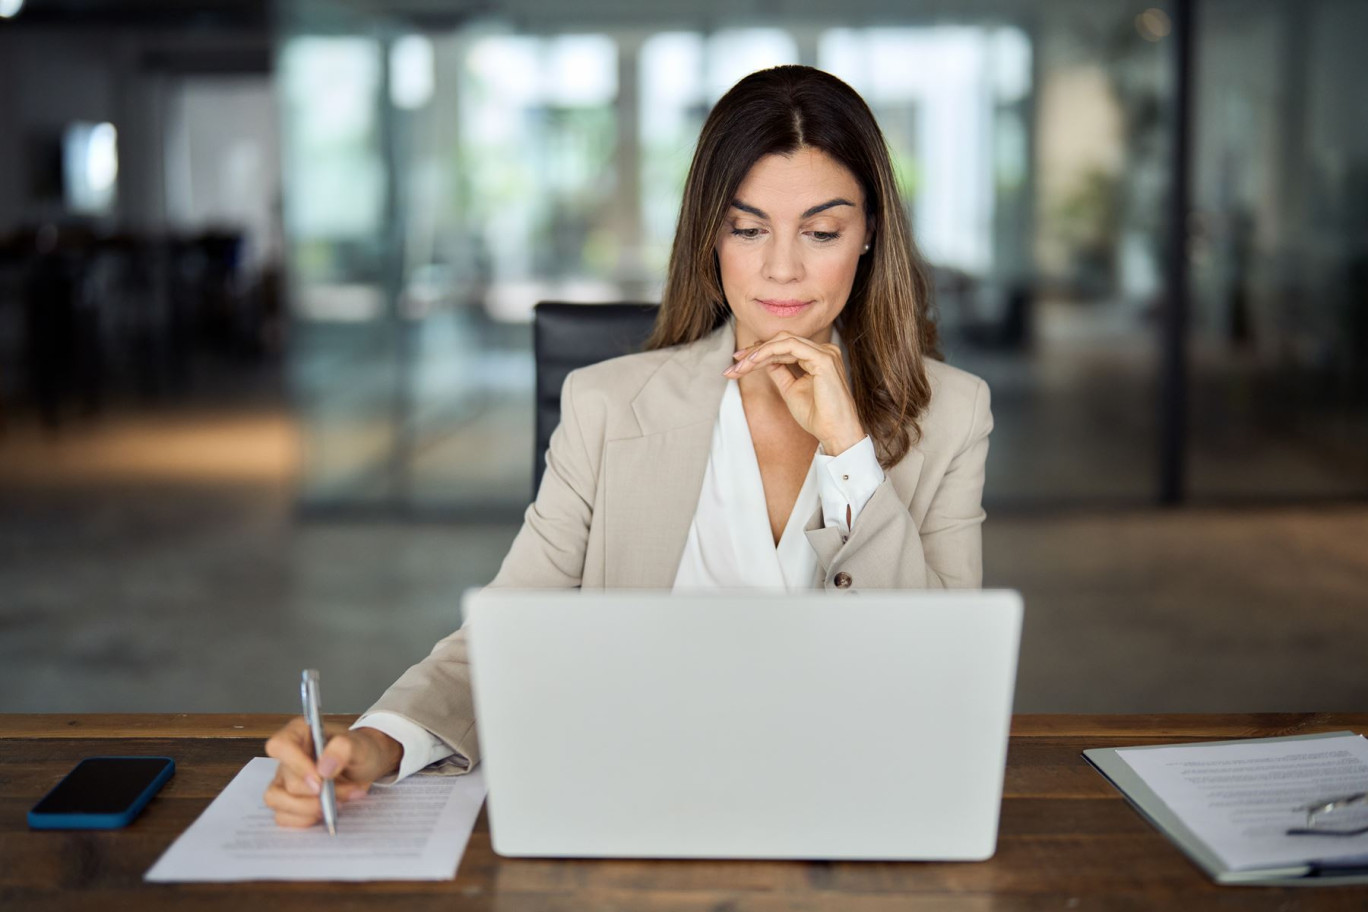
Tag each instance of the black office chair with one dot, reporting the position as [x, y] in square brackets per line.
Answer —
[567, 336]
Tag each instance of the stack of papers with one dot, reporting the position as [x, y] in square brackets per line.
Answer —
[1230, 804]
[414, 830]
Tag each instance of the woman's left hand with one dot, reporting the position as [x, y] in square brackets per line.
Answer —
[819, 399]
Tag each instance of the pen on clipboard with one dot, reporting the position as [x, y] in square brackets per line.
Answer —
[313, 714]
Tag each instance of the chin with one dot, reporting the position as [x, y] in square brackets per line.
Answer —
[756, 320]
[808, 325]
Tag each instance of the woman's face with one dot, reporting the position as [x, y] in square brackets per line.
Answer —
[789, 246]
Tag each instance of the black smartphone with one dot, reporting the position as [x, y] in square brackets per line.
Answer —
[101, 793]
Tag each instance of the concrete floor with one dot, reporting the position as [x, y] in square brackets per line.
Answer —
[193, 587]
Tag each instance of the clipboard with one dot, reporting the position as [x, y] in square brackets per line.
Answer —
[1119, 773]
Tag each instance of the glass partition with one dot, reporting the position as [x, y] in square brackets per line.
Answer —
[443, 178]
[1279, 403]
[448, 180]
[344, 363]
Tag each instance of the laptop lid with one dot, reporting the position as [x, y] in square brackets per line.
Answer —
[649, 724]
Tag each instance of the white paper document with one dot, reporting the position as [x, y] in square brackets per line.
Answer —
[414, 830]
[1240, 799]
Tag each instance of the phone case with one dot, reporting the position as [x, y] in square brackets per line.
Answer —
[112, 821]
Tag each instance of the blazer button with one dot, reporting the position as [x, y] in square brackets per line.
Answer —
[842, 580]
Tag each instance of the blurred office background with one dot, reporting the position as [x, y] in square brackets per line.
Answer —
[267, 271]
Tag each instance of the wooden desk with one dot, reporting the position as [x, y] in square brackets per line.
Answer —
[1067, 840]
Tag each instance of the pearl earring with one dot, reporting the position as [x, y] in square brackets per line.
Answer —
[866, 248]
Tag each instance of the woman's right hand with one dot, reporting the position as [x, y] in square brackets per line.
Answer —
[352, 758]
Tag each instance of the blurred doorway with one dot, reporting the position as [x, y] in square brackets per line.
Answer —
[222, 161]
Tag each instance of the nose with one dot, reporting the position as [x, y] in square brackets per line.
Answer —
[783, 261]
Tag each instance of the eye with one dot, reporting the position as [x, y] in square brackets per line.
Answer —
[749, 234]
[825, 236]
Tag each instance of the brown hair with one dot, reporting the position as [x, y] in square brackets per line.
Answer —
[887, 325]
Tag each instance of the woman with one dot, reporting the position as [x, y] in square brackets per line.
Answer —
[786, 427]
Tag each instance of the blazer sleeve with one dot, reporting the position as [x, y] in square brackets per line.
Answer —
[888, 549]
[548, 553]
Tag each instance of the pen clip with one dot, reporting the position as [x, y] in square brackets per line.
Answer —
[308, 690]
[313, 708]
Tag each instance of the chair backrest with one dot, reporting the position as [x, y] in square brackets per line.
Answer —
[568, 336]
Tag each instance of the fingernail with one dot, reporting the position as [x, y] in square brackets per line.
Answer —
[737, 355]
[314, 785]
[327, 767]
[752, 355]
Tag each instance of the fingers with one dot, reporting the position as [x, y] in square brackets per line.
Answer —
[816, 390]
[294, 807]
[786, 348]
[337, 756]
[293, 793]
[291, 809]
[345, 760]
[359, 756]
[293, 747]
[351, 791]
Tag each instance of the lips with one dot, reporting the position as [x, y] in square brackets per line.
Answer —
[783, 308]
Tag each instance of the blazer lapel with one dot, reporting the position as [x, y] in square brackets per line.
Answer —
[907, 474]
[652, 481]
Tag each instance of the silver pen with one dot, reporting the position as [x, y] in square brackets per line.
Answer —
[313, 714]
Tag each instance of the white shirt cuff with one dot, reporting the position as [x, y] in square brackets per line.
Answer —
[847, 481]
[421, 747]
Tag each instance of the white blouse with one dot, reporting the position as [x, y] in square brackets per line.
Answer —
[730, 545]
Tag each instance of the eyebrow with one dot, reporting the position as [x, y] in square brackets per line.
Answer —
[820, 207]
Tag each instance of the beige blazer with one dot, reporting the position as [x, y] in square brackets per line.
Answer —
[623, 475]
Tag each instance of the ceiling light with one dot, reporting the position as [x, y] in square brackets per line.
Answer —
[1153, 24]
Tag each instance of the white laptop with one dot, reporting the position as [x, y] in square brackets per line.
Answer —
[851, 726]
